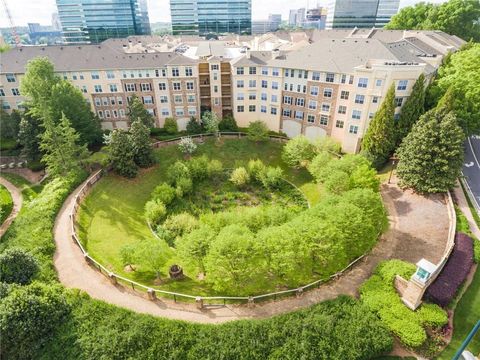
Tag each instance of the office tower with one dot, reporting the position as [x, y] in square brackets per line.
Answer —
[204, 17]
[316, 18]
[86, 21]
[296, 17]
[292, 17]
[56, 25]
[265, 26]
[360, 13]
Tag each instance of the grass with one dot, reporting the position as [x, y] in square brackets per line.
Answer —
[474, 212]
[29, 191]
[8, 144]
[6, 203]
[112, 215]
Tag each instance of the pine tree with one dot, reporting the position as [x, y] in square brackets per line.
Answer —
[62, 153]
[431, 156]
[136, 111]
[141, 143]
[379, 141]
[411, 110]
[28, 136]
[122, 153]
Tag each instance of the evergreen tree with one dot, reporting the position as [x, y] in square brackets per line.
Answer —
[431, 155]
[379, 140]
[29, 136]
[141, 143]
[9, 124]
[122, 153]
[136, 111]
[59, 142]
[411, 110]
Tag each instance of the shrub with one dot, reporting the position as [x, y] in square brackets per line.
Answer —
[198, 167]
[155, 212]
[187, 145]
[456, 270]
[164, 193]
[228, 123]
[210, 122]
[271, 177]
[193, 126]
[177, 171]
[240, 177]
[256, 168]
[327, 144]
[337, 182]
[184, 186]
[214, 168]
[29, 318]
[127, 255]
[476, 251]
[170, 126]
[17, 266]
[179, 225]
[298, 152]
[318, 165]
[258, 131]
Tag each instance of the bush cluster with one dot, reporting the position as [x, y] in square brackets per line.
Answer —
[456, 270]
[300, 151]
[379, 294]
[17, 266]
[268, 176]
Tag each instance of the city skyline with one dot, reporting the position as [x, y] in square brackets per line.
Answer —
[23, 11]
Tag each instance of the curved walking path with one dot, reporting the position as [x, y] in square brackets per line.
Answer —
[17, 204]
[418, 228]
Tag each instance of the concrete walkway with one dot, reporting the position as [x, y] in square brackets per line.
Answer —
[17, 204]
[462, 204]
[418, 228]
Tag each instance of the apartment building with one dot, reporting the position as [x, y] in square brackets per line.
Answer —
[316, 83]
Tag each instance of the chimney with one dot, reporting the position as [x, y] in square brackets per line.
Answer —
[275, 54]
[248, 54]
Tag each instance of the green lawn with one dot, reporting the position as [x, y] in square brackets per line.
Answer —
[112, 215]
[28, 190]
[6, 203]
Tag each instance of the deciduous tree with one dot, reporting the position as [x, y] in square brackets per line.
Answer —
[136, 111]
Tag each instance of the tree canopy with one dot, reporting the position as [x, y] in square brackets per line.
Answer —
[136, 111]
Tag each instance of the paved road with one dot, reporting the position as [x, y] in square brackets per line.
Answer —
[471, 167]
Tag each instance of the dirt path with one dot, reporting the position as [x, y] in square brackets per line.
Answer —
[418, 228]
[17, 204]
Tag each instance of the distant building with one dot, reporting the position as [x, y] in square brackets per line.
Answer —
[43, 34]
[360, 13]
[296, 17]
[265, 26]
[85, 21]
[316, 18]
[204, 17]
[56, 25]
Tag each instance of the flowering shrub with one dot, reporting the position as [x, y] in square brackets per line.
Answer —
[187, 146]
[454, 273]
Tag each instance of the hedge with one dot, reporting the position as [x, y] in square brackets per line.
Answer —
[456, 270]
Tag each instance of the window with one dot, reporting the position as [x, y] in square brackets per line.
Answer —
[132, 75]
[325, 107]
[362, 82]
[291, 87]
[343, 79]
[300, 102]
[177, 86]
[402, 85]
[310, 118]
[151, 111]
[398, 101]
[264, 84]
[264, 97]
[65, 77]
[286, 87]
[274, 98]
[162, 86]
[2, 92]
[324, 120]
[214, 67]
[312, 104]
[192, 111]
[286, 72]
[292, 73]
[84, 89]
[339, 124]
[97, 88]
[252, 83]
[252, 96]
[264, 71]
[15, 92]
[274, 85]
[130, 87]
[107, 114]
[122, 113]
[100, 114]
[146, 87]
[179, 112]
[105, 101]
[165, 112]
[252, 70]
[97, 101]
[175, 72]
[287, 113]
[191, 98]
[164, 72]
[189, 85]
[287, 100]
[263, 109]
[113, 88]
[299, 115]
[299, 74]
[240, 96]
[119, 100]
[356, 114]
[350, 80]
[375, 99]
[314, 90]
[188, 71]
[316, 76]
[163, 99]
[275, 72]
[359, 99]
[371, 115]
[240, 108]
[304, 89]
[240, 71]
[342, 109]
[240, 84]
[273, 110]
[178, 99]
[215, 88]
[378, 82]
[251, 108]
[82, 77]
[215, 76]
[330, 77]
[353, 129]
[344, 95]
[10, 78]
[115, 113]
[110, 74]
[95, 75]
[327, 93]
[299, 88]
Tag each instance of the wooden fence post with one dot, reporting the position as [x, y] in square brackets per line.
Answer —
[199, 302]
[151, 294]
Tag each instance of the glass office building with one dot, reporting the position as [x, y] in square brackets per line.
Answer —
[360, 13]
[92, 21]
[211, 17]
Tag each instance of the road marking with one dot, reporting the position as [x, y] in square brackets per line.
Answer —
[473, 152]
[470, 164]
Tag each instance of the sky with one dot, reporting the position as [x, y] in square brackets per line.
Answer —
[40, 11]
